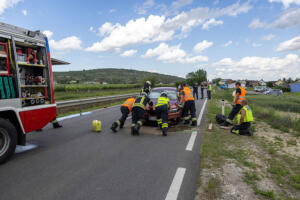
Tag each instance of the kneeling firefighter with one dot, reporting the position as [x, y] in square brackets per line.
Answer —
[189, 105]
[244, 119]
[161, 108]
[125, 110]
[138, 112]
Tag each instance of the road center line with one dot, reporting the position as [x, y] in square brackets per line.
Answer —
[190, 145]
[176, 184]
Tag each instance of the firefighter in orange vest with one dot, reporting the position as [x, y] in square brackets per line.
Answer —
[125, 110]
[189, 105]
[240, 95]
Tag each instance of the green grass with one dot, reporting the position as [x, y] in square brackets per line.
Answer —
[268, 194]
[59, 96]
[212, 190]
[265, 106]
[89, 109]
[251, 178]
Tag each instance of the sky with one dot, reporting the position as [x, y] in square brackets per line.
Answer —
[238, 39]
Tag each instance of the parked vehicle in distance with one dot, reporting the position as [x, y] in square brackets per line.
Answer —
[175, 113]
[261, 88]
[273, 92]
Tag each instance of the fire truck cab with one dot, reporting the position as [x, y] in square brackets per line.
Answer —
[26, 86]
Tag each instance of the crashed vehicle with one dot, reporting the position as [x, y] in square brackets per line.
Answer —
[175, 112]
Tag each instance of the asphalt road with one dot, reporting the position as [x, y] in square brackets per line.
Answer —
[75, 163]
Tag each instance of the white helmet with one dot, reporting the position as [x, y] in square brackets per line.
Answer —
[148, 82]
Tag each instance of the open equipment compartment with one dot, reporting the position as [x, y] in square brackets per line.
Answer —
[34, 74]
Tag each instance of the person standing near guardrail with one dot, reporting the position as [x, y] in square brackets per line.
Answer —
[125, 110]
[239, 96]
[138, 112]
[195, 91]
[202, 90]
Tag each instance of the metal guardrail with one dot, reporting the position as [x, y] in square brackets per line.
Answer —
[80, 102]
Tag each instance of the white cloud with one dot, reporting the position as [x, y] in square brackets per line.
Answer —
[286, 3]
[129, 53]
[256, 45]
[159, 28]
[112, 10]
[4, 4]
[172, 54]
[48, 33]
[256, 23]
[288, 18]
[290, 45]
[92, 29]
[227, 44]
[24, 12]
[201, 46]
[142, 10]
[259, 67]
[268, 37]
[210, 23]
[66, 44]
[181, 3]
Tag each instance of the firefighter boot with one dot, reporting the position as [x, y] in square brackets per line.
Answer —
[186, 121]
[132, 130]
[194, 122]
[56, 125]
[114, 127]
[164, 132]
[137, 129]
[121, 125]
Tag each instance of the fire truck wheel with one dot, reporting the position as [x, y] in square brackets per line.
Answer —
[8, 140]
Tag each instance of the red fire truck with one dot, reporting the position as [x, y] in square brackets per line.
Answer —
[26, 86]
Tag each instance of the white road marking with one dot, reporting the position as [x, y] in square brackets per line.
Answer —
[201, 113]
[190, 145]
[28, 147]
[176, 184]
[72, 116]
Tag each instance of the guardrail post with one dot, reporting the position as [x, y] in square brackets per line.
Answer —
[80, 108]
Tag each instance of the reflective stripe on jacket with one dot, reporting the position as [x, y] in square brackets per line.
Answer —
[162, 101]
[142, 101]
[129, 103]
[188, 94]
[209, 88]
[241, 97]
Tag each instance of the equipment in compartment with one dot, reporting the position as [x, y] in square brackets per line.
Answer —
[4, 59]
[7, 88]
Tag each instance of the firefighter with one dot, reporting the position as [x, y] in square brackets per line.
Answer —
[147, 87]
[189, 105]
[244, 119]
[138, 112]
[239, 96]
[161, 108]
[55, 124]
[125, 110]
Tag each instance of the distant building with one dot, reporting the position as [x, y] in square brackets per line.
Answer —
[225, 81]
[295, 87]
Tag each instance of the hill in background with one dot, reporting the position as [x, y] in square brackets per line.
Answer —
[112, 76]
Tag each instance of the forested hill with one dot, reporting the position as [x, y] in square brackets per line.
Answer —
[111, 75]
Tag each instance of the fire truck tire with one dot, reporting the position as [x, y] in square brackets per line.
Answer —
[8, 140]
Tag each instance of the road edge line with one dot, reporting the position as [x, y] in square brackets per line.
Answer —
[201, 112]
[176, 184]
[190, 145]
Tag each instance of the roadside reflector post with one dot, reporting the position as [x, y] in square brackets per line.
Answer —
[223, 107]
[80, 107]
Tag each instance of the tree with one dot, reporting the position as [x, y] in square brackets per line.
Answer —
[216, 81]
[152, 79]
[196, 77]
[269, 84]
